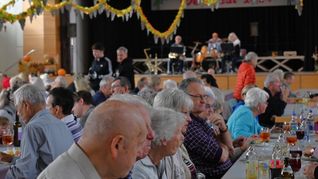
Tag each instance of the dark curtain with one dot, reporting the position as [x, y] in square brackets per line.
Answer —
[279, 29]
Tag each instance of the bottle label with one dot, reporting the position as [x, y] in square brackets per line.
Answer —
[19, 133]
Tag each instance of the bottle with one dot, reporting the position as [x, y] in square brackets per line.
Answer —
[287, 172]
[17, 127]
[293, 122]
[310, 121]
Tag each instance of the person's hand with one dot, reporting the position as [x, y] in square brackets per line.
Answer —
[238, 141]
[218, 120]
[308, 151]
[216, 129]
[309, 170]
[285, 94]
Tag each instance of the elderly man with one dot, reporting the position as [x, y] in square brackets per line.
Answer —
[125, 67]
[108, 147]
[277, 100]
[105, 90]
[83, 106]
[120, 85]
[210, 156]
[44, 137]
[144, 108]
[60, 103]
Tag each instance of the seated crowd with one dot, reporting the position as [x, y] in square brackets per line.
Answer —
[178, 132]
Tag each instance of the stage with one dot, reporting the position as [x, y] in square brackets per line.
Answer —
[303, 80]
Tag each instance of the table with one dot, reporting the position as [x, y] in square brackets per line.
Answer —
[237, 171]
[280, 62]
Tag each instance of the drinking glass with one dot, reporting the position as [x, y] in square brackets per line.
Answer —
[300, 132]
[291, 138]
[7, 137]
[295, 162]
[265, 134]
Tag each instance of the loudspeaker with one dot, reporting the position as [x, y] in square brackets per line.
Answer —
[71, 30]
[254, 29]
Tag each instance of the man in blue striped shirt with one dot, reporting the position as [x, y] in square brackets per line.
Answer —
[60, 103]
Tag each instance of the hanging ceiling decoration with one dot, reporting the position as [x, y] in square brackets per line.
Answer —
[37, 7]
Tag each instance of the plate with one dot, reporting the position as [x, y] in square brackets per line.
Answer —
[312, 159]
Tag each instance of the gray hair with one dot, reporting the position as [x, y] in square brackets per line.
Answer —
[208, 91]
[37, 81]
[15, 83]
[123, 49]
[131, 99]
[148, 94]
[169, 84]
[186, 82]
[255, 96]
[279, 73]
[189, 74]
[270, 78]
[174, 99]
[60, 81]
[29, 93]
[106, 80]
[165, 122]
[250, 56]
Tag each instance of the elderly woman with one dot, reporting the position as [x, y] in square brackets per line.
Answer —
[243, 121]
[179, 101]
[168, 126]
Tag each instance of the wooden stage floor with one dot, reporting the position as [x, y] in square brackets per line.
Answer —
[303, 80]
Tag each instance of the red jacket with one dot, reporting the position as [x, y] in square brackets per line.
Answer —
[245, 76]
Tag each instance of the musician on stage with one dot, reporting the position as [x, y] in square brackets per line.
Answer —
[176, 56]
[214, 43]
[231, 57]
[101, 66]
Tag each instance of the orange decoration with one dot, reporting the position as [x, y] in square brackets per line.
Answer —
[26, 58]
[61, 72]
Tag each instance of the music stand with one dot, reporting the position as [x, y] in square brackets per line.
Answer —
[227, 48]
[177, 50]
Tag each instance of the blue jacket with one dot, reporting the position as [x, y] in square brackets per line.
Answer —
[243, 123]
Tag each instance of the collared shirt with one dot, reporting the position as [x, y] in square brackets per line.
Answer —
[243, 123]
[44, 139]
[74, 126]
[72, 164]
[83, 119]
[145, 169]
[204, 150]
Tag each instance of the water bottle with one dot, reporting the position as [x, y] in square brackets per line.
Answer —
[293, 122]
[310, 122]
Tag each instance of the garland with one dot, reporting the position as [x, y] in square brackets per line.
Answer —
[38, 6]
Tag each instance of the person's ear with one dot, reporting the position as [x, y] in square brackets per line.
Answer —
[117, 144]
[81, 101]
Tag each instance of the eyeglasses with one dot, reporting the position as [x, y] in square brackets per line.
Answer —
[209, 106]
[202, 97]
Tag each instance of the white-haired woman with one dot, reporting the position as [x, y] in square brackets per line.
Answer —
[168, 126]
[243, 120]
[179, 101]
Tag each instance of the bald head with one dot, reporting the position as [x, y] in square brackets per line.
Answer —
[113, 135]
